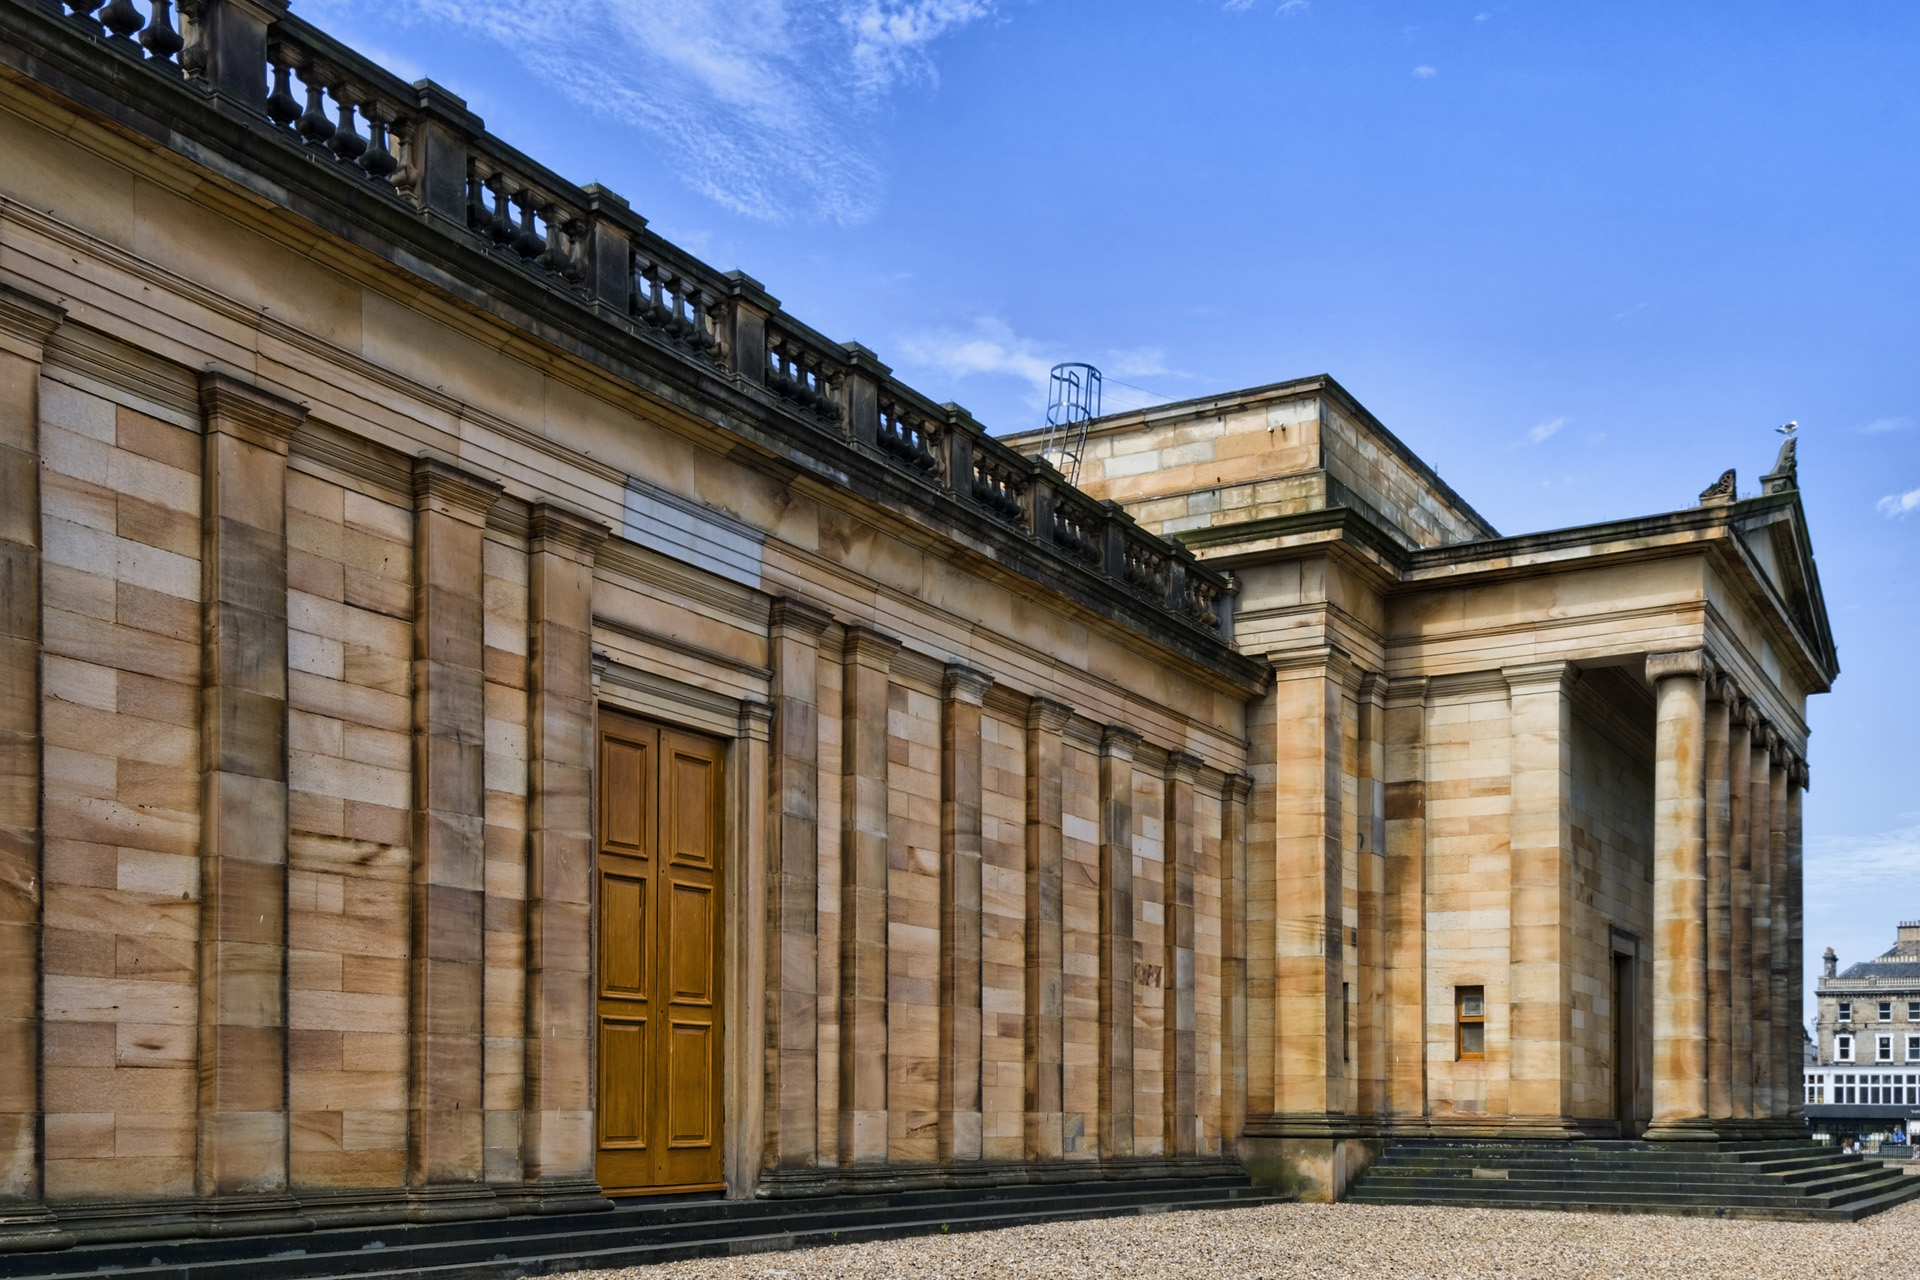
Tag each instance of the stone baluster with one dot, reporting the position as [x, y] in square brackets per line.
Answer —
[1115, 1051]
[1719, 829]
[346, 142]
[313, 124]
[963, 691]
[1044, 936]
[158, 37]
[243, 805]
[867, 657]
[557, 1149]
[26, 322]
[1180, 1055]
[1679, 897]
[449, 857]
[379, 161]
[1742, 723]
[793, 850]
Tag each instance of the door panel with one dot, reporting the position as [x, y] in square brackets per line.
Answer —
[658, 924]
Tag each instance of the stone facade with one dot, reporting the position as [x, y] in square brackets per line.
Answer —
[351, 477]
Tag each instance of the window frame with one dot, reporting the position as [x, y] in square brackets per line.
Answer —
[1886, 1011]
[1462, 1020]
[1883, 1048]
[1913, 1048]
[1843, 1011]
[1843, 1048]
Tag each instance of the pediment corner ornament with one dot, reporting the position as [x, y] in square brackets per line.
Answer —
[1722, 491]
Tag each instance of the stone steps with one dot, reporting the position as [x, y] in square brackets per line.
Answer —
[634, 1232]
[1759, 1180]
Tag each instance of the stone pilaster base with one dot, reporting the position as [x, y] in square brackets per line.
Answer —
[251, 1216]
[552, 1195]
[1692, 1129]
[1312, 1157]
[453, 1202]
[28, 1228]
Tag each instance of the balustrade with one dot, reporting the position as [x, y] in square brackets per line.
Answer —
[420, 146]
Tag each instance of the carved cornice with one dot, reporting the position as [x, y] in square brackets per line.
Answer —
[868, 648]
[1539, 677]
[26, 322]
[566, 533]
[232, 407]
[1048, 716]
[962, 683]
[1679, 662]
[444, 488]
[1236, 788]
[1119, 742]
[795, 617]
[1328, 660]
[1407, 691]
[756, 720]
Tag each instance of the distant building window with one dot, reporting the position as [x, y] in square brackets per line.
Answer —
[1883, 1049]
[1470, 1015]
[1913, 1048]
[1843, 1048]
[1846, 1011]
[1913, 1011]
[1886, 1011]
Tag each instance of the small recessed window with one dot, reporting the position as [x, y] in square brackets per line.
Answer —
[1470, 1013]
[1886, 1011]
[1913, 1011]
[1843, 1048]
[1846, 1011]
[1883, 1049]
[1913, 1048]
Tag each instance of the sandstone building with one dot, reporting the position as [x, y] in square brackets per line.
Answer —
[497, 713]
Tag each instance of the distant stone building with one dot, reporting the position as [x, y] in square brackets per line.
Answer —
[1865, 1075]
[495, 713]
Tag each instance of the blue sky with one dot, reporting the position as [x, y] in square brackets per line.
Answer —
[1581, 258]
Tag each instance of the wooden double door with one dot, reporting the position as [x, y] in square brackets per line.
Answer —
[658, 921]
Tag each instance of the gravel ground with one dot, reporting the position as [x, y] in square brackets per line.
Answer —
[1288, 1241]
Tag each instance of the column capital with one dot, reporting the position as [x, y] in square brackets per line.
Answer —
[1764, 735]
[1407, 691]
[1802, 777]
[868, 647]
[1320, 659]
[1539, 677]
[442, 487]
[563, 532]
[963, 683]
[1236, 788]
[26, 322]
[1047, 715]
[1119, 742]
[756, 720]
[236, 408]
[796, 616]
[1184, 766]
[1679, 662]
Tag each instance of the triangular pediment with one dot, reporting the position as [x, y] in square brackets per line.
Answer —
[1774, 533]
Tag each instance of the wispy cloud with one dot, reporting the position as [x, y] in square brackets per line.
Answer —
[1546, 430]
[1898, 506]
[1425, 73]
[991, 348]
[761, 105]
[1855, 862]
[1292, 8]
[1884, 426]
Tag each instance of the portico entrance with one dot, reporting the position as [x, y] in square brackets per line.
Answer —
[658, 921]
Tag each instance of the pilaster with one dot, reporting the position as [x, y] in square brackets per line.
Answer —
[1719, 835]
[26, 323]
[1044, 923]
[1679, 896]
[962, 690]
[867, 657]
[1540, 971]
[1180, 1050]
[793, 850]
[1404, 806]
[1116, 942]
[1233, 959]
[445, 1138]
[749, 950]
[557, 1137]
[243, 786]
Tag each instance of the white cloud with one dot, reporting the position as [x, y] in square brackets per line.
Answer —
[1546, 430]
[761, 105]
[1425, 73]
[1856, 862]
[1885, 426]
[1292, 8]
[991, 348]
[1481, 17]
[1897, 506]
[1237, 6]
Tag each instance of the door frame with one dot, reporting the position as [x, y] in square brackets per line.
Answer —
[743, 727]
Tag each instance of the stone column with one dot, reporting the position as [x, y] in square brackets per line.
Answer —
[1368, 1070]
[449, 882]
[1794, 947]
[867, 657]
[1679, 897]
[1540, 974]
[1116, 942]
[1740, 914]
[1406, 908]
[1721, 696]
[1180, 1051]
[25, 325]
[793, 851]
[1758, 847]
[243, 797]
[1233, 959]
[1044, 940]
[557, 1146]
[1760, 958]
[1783, 1056]
[963, 690]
